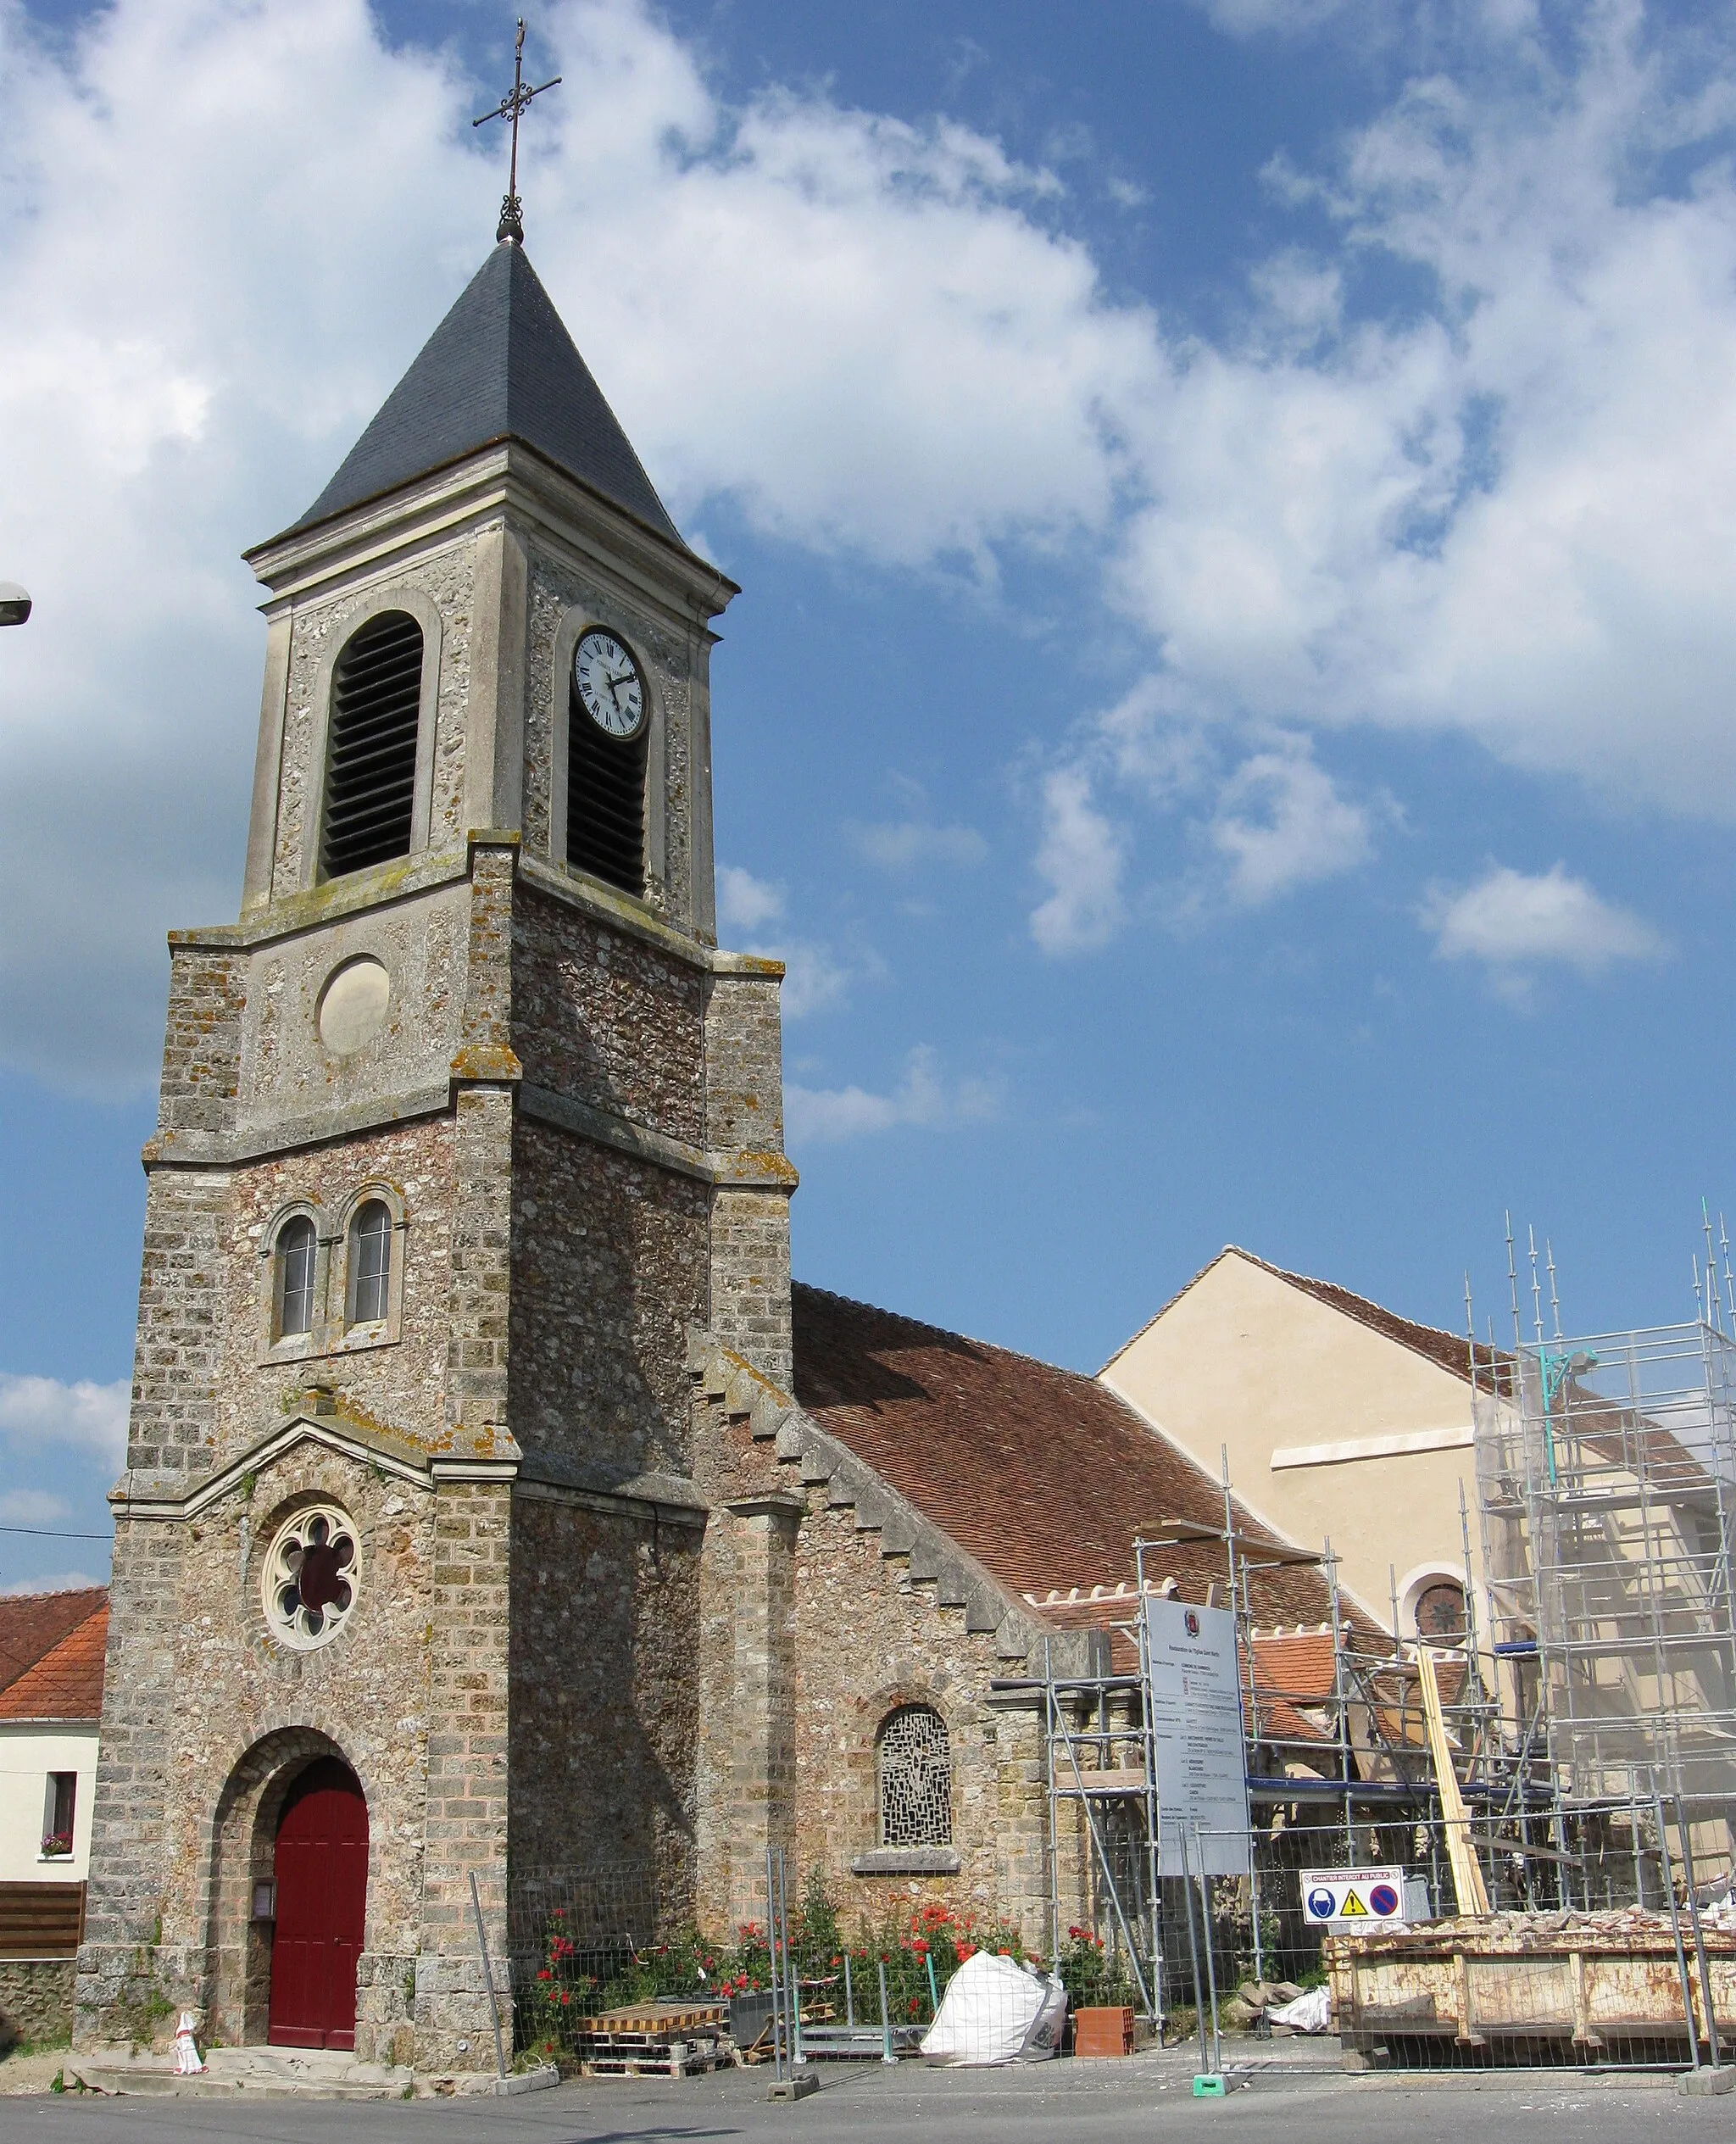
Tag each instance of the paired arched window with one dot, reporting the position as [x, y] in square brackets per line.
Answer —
[369, 1263]
[916, 1778]
[370, 756]
[296, 1255]
[328, 1288]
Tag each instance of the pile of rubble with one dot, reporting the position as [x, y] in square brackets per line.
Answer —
[1618, 1928]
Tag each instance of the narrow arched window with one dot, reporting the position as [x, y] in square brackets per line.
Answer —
[294, 1278]
[371, 759]
[608, 724]
[916, 1778]
[370, 1262]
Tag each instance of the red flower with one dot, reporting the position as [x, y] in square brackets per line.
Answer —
[966, 1950]
[545, 1975]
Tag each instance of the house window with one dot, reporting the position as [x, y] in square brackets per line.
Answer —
[916, 1778]
[296, 1248]
[370, 1262]
[62, 1810]
[370, 761]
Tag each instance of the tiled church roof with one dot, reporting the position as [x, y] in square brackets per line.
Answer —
[66, 1684]
[34, 1624]
[500, 366]
[1043, 1475]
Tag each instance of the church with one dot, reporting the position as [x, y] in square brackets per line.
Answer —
[492, 1498]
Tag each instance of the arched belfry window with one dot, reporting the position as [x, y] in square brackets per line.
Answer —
[292, 1281]
[608, 727]
[370, 759]
[916, 1778]
[369, 1263]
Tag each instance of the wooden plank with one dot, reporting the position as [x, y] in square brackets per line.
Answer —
[1467, 1871]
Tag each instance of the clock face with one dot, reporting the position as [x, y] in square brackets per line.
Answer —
[608, 682]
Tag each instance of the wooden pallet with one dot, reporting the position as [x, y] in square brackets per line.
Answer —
[670, 2019]
[678, 2061]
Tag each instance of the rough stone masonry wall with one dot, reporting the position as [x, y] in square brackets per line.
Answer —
[123, 1900]
[557, 589]
[750, 1227]
[402, 1384]
[35, 1999]
[468, 1770]
[858, 1636]
[604, 1692]
[448, 578]
[601, 1017]
[210, 1714]
[609, 1273]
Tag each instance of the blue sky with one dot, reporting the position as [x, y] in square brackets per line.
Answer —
[1229, 715]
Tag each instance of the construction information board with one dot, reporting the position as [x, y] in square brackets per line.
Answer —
[1352, 1898]
[1196, 1717]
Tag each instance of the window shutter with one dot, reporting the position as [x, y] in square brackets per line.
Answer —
[370, 767]
[606, 801]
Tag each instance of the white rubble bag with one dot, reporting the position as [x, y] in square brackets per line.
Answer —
[996, 2011]
[1309, 2013]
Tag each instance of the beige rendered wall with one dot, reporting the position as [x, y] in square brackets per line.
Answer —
[1246, 1360]
[30, 1750]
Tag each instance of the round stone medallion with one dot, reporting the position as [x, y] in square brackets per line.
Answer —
[311, 1577]
[352, 1004]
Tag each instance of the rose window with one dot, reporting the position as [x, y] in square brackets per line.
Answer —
[310, 1577]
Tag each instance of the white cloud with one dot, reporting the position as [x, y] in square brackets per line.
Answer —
[1080, 856]
[1282, 823]
[1513, 921]
[37, 1411]
[1511, 515]
[745, 903]
[225, 227]
[32, 1507]
[923, 1096]
[908, 845]
[1503, 509]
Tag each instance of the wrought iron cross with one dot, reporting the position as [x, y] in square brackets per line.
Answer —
[516, 101]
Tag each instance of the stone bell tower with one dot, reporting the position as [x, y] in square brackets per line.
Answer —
[465, 1127]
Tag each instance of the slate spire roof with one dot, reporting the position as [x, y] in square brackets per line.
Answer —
[500, 366]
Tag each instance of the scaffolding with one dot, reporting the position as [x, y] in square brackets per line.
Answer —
[1606, 1478]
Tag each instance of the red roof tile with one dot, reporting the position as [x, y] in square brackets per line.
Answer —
[1043, 1475]
[67, 1682]
[34, 1624]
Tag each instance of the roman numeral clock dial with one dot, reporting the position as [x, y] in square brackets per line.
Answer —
[608, 685]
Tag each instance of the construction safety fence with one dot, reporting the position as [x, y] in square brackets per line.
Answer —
[1599, 1951]
[596, 1964]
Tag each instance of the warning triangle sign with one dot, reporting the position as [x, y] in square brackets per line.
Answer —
[1352, 1908]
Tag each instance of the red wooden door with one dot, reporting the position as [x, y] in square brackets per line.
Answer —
[322, 1904]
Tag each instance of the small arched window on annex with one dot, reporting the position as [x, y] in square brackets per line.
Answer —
[374, 750]
[292, 1281]
[915, 1762]
[1432, 1605]
[605, 802]
[369, 1281]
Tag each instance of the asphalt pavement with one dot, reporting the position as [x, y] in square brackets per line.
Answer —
[1094, 2102]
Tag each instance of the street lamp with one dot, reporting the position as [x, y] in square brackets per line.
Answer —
[14, 603]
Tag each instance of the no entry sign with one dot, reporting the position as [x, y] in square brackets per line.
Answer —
[1350, 1898]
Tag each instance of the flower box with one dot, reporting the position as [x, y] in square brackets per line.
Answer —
[1106, 2030]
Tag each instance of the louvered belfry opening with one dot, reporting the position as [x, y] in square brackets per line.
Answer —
[370, 763]
[606, 801]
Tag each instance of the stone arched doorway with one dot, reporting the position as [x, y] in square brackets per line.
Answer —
[319, 1869]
